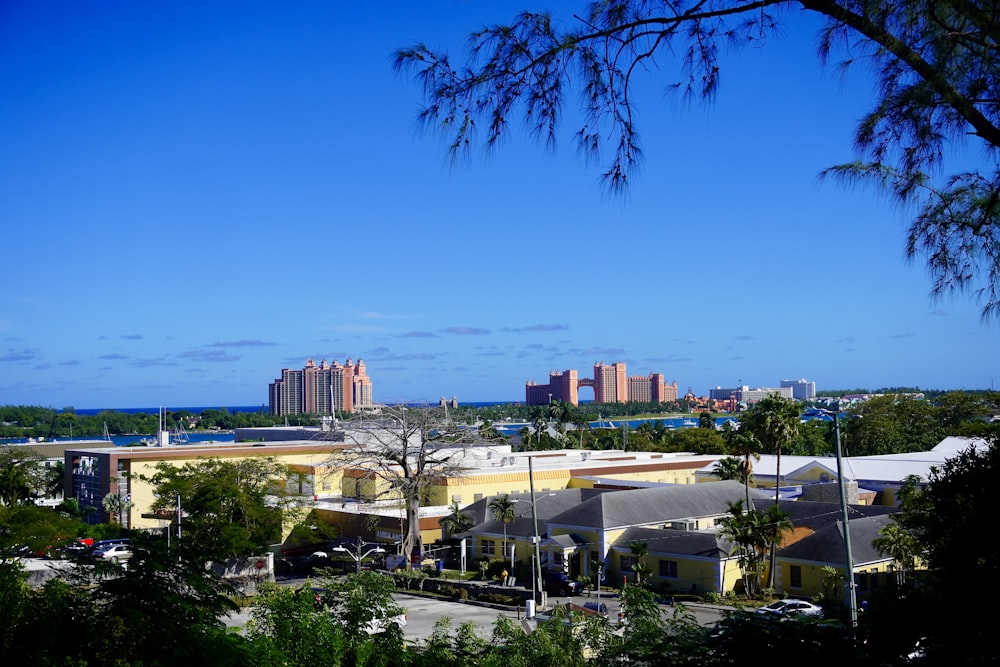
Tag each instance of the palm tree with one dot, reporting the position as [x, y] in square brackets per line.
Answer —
[775, 421]
[739, 527]
[743, 443]
[774, 523]
[896, 541]
[502, 509]
[15, 484]
[728, 467]
[456, 522]
[640, 550]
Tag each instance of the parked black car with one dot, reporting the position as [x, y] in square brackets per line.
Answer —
[559, 583]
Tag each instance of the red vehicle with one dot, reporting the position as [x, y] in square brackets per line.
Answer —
[70, 549]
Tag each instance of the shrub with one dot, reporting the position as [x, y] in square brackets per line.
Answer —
[453, 591]
[409, 579]
[500, 598]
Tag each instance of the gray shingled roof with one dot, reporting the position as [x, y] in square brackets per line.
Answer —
[549, 504]
[621, 509]
[666, 542]
[817, 515]
[826, 545]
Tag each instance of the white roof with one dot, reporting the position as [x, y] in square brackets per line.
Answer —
[882, 468]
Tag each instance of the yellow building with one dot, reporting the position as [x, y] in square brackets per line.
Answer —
[91, 474]
[802, 568]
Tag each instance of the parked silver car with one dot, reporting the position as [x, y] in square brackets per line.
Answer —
[791, 607]
[113, 552]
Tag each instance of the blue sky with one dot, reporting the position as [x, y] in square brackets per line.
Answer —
[196, 195]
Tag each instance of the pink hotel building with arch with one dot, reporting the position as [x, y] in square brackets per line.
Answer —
[610, 384]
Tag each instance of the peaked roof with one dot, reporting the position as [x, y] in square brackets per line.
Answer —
[827, 544]
[548, 504]
[667, 542]
[637, 507]
[817, 515]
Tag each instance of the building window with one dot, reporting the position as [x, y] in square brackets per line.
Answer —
[629, 563]
[668, 568]
[478, 496]
[795, 574]
[489, 547]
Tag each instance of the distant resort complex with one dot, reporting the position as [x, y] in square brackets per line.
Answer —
[321, 390]
[328, 388]
[610, 385]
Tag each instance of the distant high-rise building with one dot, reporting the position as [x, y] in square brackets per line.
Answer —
[321, 389]
[801, 390]
[747, 395]
[610, 384]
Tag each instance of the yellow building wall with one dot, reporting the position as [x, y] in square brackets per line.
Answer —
[683, 476]
[141, 492]
[813, 577]
[693, 576]
[812, 475]
[467, 489]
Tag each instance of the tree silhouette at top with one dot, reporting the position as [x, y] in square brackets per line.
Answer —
[936, 85]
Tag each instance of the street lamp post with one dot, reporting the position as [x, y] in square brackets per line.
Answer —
[852, 600]
[537, 569]
[358, 557]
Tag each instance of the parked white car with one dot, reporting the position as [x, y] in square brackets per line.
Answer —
[791, 607]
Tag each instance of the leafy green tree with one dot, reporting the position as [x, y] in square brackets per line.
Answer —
[162, 608]
[36, 527]
[363, 606]
[288, 627]
[232, 508]
[452, 647]
[892, 424]
[948, 518]
[935, 82]
[957, 408]
[772, 642]
[697, 440]
[16, 475]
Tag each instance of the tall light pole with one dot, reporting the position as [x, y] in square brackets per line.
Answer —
[852, 599]
[534, 523]
[358, 557]
[537, 574]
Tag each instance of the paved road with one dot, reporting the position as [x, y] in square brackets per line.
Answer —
[423, 612]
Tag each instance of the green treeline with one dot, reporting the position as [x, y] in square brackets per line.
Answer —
[38, 422]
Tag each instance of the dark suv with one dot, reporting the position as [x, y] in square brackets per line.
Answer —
[559, 583]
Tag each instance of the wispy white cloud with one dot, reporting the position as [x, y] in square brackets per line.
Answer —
[466, 331]
[209, 355]
[242, 343]
[537, 328]
[24, 354]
